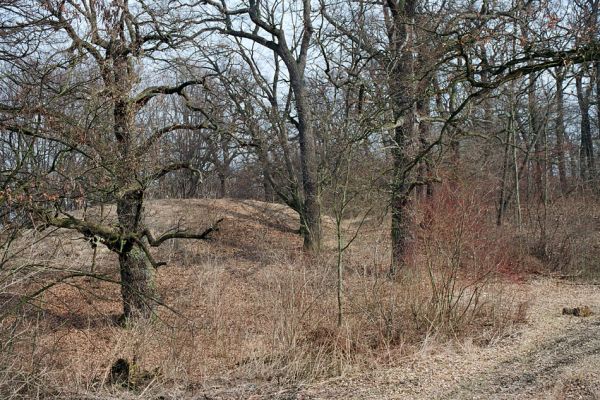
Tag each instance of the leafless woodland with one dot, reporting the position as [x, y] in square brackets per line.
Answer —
[299, 199]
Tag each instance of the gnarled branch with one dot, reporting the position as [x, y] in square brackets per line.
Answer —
[171, 168]
[156, 136]
[141, 99]
[155, 242]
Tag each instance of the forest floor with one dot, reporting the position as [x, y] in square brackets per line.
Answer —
[551, 357]
[253, 314]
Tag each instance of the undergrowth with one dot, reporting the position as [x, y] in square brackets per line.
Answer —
[233, 317]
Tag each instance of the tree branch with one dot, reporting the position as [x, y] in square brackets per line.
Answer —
[171, 168]
[109, 236]
[156, 136]
[143, 98]
[149, 255]
[155, 242]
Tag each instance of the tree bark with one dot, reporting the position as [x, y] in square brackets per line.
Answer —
[560, 129]
[587, 162]
[401, 216]
[425, 172]
[535, 132]
[269, 193]
[295, 62]
[222, 185]
[404, 109]
[503, 183]
[138, 286]
[311, 224]
[310, 217]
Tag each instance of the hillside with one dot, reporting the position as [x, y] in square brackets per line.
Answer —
[246, 314]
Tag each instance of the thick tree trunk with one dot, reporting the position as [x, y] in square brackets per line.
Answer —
[404, 109]
[401, 224]
[269, 193]
[311, 213]
[138, 287]
[573, 157]
[137, 283]
[401, 201]
[312, 207]
[137, 274]
[191, 191]
[295, 58]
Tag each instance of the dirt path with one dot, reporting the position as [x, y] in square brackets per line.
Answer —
[551, 357]
[563, 367]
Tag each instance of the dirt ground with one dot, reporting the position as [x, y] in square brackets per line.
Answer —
[551, 357]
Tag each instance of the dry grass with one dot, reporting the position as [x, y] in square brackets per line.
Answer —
[564, 236]
[248, 306]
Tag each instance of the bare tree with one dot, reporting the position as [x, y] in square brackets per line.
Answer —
[85, 91]
[409, 91]
[264, 23]
[560, 127]
[587, 159]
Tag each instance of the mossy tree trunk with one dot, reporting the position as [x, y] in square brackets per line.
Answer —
[138, 287]
[138, 284]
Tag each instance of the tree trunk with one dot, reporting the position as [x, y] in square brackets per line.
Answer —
[404, 110]
[400, 202]
[269, 193]
[222, 186]
[137, 274]
[535, 131]
[311, 213]
[560, 129]
[425, 172]
[401, 221]
[573, 159]
[587, 162]
[517, 174]
[503, 183]
[138, 287]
